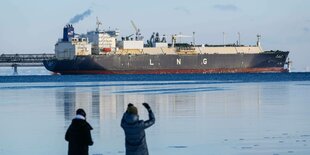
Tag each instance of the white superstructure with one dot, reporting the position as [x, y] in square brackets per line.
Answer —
[101, 42]
[105, 42]
[69, 49]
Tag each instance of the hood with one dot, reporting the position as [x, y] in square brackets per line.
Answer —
[80, 117]
[81, 123]
[131, 118]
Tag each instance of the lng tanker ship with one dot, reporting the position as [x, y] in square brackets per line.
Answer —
[100, 52]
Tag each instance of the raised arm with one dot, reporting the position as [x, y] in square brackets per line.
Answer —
[151, 120]
[123, 120]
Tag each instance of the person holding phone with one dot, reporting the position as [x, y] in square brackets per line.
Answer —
[135, 138]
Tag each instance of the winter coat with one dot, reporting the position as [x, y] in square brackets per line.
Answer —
[135, 140]
[79, 137]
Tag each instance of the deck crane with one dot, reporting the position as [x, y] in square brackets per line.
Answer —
[98, 23]
[137, 30]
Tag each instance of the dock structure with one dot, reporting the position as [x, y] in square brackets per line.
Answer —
[24, 60]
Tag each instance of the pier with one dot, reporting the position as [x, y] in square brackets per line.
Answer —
[23, 60]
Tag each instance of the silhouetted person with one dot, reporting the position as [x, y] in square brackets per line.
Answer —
[134, 130]
[78, 134]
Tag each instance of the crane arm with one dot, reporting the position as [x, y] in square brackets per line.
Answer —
[134, 26]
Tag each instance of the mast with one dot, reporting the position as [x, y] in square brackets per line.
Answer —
[194, 39]
[224, 39]
[258, 40]
[239, 40]
[98, 23]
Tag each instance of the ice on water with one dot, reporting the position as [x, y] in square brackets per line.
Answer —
[192, 117]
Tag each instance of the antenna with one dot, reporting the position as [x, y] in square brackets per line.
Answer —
[224, 39]
[239, 41]
[194, 39]
[98, 23]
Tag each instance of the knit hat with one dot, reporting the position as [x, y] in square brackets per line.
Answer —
[132, 110]
[81, 112]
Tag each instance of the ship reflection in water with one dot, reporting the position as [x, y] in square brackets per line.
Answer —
[192, 117]
[196, 117]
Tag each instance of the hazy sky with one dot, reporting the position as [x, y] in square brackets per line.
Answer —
[33, 26]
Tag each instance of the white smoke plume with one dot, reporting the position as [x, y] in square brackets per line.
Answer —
[79, 17]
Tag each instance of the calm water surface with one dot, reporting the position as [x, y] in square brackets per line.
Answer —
[217, 115]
